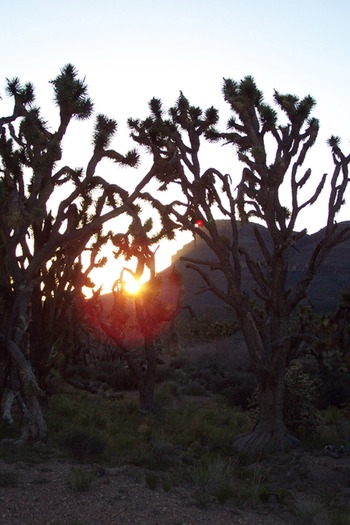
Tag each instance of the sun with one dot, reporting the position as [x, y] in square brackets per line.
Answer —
[131, 286]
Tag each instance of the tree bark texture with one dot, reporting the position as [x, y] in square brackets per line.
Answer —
[147, 389]
[270, 433]
[269, 361]
[21, 379]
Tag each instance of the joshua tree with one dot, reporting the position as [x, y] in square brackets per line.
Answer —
[49, 214]
[272, 156]
[136, 321]
[57, 306]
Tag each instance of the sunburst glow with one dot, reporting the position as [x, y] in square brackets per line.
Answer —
[131, 286]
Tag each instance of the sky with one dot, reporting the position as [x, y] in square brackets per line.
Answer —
[131, 51]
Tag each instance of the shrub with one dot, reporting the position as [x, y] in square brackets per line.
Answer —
[240, 389]
[116, 375]
[159, 456]
[80, 479]
[340, 517]
[82, 371]
[82, 445]
[166, 394]
[206, 329]
[224, 493]
[213, 478]
[166, 485]
[299, 402]
[309, 510]
[152, 480]
[194, 388]
[334, 389]
[253, 489]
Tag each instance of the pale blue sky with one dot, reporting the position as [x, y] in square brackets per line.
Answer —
[132, 50]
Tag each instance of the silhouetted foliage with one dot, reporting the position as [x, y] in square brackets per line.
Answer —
[50, 213]
[273, 151]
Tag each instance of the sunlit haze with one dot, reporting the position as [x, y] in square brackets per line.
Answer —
[132, 51]
[132, 286]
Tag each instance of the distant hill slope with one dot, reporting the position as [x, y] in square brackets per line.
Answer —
[333, 277]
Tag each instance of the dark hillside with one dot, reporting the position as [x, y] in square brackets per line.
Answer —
[333, 277]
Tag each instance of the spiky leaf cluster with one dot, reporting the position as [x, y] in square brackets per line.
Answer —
[190, 117]
[23, 95]
[71, 94]
[104, 130]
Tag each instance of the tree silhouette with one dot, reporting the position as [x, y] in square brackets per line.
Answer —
[273, 156]
[49, 214]
[57, 305]
[135, 322]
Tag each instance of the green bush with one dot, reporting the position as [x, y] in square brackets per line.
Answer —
[300, 411]
[213, 478]
[116, 375]
[166, 393]
[155, 442]
[340, 517]
[194, 388]
[240, 389]
[206, 329]
[152, 480]
[159, 455]
[309, 510]
[82, 445]
[334, 389]
[215, 368]
[80, 479]
[81, 371]
[179, 362]
[300, 400]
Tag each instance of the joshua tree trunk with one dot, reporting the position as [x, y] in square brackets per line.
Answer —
[145, 374]
[269, 359]
[146, 391]
[147, 382]
[27, 396]
[270, 433]
[22, 383]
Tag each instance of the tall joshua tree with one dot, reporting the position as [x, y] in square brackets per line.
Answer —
[272, 157]
[57, 304]
[135, 322]
[33, 235]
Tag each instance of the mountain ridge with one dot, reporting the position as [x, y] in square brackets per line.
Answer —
[324, 292]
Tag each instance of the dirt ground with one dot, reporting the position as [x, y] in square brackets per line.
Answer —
[40, 495]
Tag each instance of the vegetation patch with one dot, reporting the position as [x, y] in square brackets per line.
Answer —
[213, 478]
[80, 479]
[82, 445]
